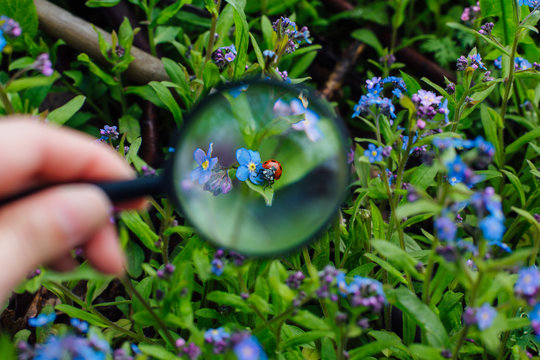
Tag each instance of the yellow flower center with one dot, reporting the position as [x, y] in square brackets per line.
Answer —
[373, 153]
[252, 167]
[205, 165]
[527, 278]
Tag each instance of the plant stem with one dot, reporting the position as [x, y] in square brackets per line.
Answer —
[127, 283]
[212, 35]
[66, 291]
[5, 101]
[429, 271]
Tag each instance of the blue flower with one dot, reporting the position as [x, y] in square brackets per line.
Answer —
[249, 349]
[250, 163]
[238, 90]
[531, 3]
[456, 170]
[492, 229]
[42, 320]
[443, 109]
[343, 287]
[528, 281]
[206, 163]
[476, 59]
[215, 335]
[484, 316]
[80, 325]
[70, 347]
[217, 267]
[373, 153]
[3, 41]
[446, 229]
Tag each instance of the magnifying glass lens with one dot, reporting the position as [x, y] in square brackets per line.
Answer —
[260, 168]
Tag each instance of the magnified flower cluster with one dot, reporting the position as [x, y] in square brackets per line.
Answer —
[310, 119]
[289, 37]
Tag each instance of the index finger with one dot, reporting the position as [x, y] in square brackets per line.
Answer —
[34, 152]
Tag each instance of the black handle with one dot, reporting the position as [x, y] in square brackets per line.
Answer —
[116, 190]
[132, 189]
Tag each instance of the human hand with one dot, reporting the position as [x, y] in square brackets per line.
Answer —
[43, 227]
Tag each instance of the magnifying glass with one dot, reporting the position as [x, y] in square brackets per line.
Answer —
[259, 168]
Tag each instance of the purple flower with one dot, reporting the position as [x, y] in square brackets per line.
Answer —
[10, 27]
[249, 349]
[230, 56]
[250, 163]
[484, 316]
[528, 283]
[206, 163]
[374, 154]
[370, 84]
[295, 280]
[426, 98]
[43, 64]
[215, 335]
[192, 351]
[486, 28]
[219, 182]
[108, 132]
[446, 229]
[310, 123]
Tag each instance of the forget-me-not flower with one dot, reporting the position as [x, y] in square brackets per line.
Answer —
[206, 163]
[373, 153]
[250, 163]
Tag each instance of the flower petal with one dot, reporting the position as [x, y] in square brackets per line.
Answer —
[242, 173]
[213, 162]
[299, 126]
[254, 178]
[199, 156]
[210, 148]
[255, 157]
[205, 176]
[196, 173]
[313, 132]
[242, 155]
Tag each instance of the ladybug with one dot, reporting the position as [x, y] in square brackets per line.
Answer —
[270, 171]
[274, 165]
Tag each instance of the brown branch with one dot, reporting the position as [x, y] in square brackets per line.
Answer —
[343, 66]
[80, 35]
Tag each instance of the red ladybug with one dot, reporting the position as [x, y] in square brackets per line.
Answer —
[274, 165]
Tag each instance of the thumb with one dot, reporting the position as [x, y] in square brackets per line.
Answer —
[41, 227]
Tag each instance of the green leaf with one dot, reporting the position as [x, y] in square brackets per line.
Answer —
[310, 321]
[96, 70]
[267, 193]
[7, 347]
[387, 266]
[210, 75]
[228, 299]
[514, 180]
[505, 26]
[422, 314]
[135, 223]
[398, 257]
[31, 82]
[166, 97]
[22, 11]
[81, 314]
[258, 53]
[410, 82]
[421, 206]
[65, 112]
[372, 348]
[305, 338]
[368, 37]
[488, 39]
[156, 351]
[423, 176]
[130, 126]
[134, 259]
[101, 3]
[522, 141]
[530, 218]
[241, 36]
[301, 65]
[168, 13]
[21, 63]
[490, 120]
